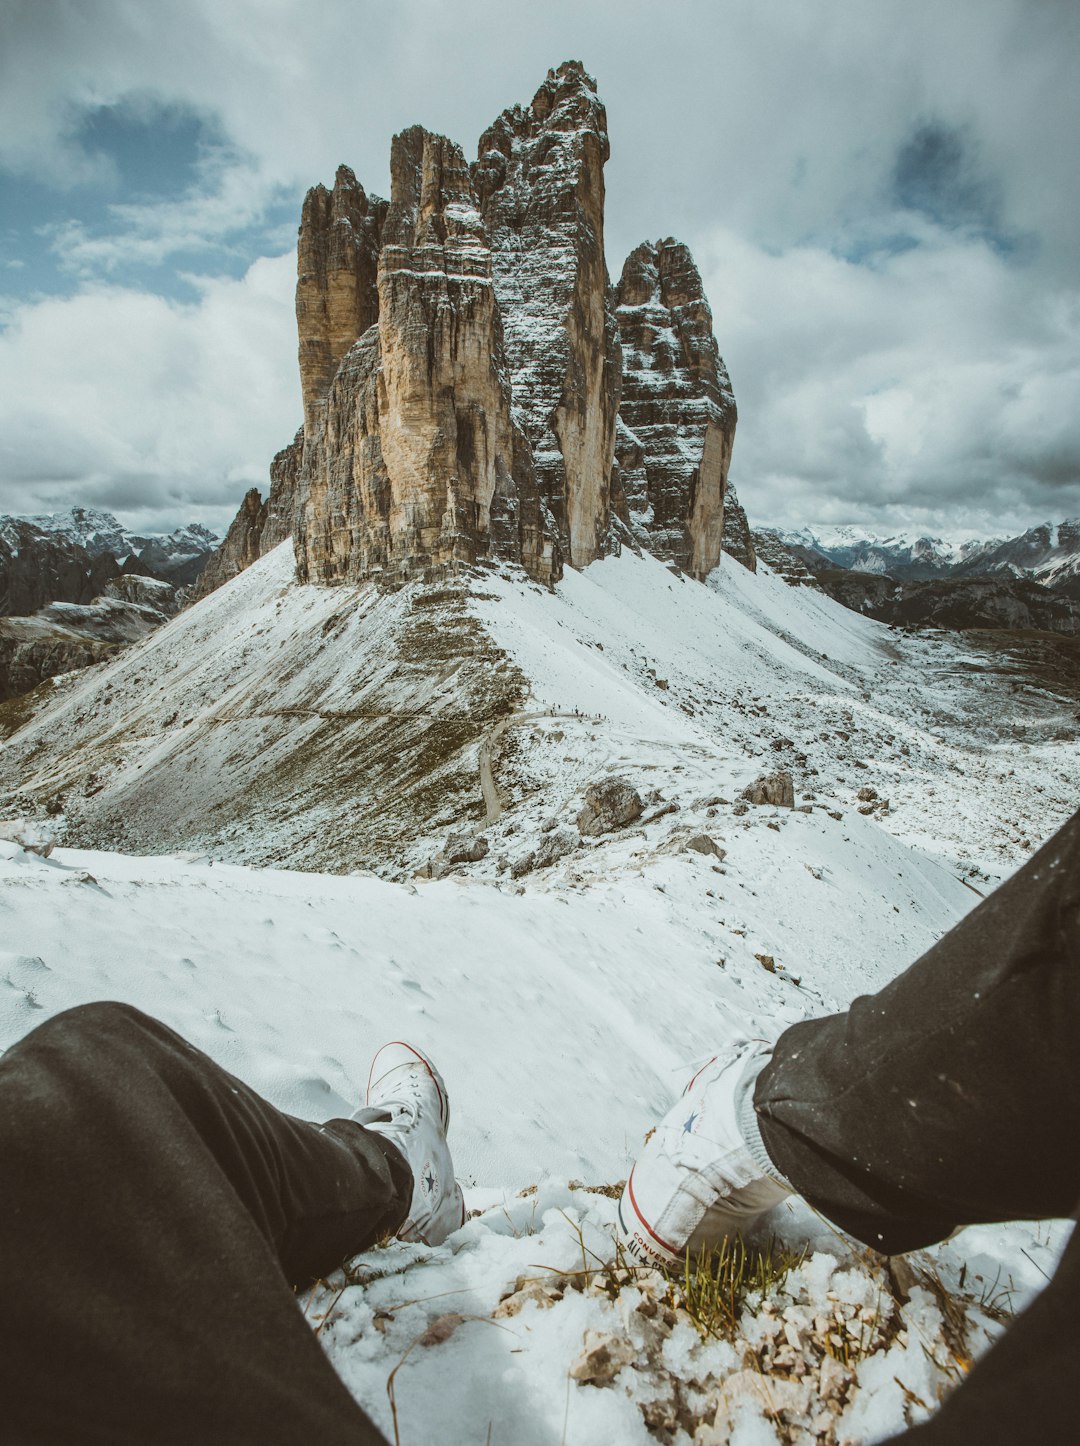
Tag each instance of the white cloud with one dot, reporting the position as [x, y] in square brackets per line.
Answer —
[156, 410]
[939, 382]
[938, 388]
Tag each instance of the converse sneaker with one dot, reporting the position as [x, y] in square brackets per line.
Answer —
[407, 1103]
[704, 1172]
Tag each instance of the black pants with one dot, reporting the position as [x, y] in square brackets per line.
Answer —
[153, 1208]
[952, 1097]
[154, 1213]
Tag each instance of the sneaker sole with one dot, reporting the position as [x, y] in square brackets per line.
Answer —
[656, 1245]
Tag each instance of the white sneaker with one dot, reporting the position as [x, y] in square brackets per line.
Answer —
[697, 1179]
[407, 1103]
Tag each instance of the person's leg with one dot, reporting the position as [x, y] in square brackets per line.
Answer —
[154, 1212]
[951, 1096]
[1024, 1388]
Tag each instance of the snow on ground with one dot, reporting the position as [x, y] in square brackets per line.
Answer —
[564, 1019]
[564, 1004]
[749, 674]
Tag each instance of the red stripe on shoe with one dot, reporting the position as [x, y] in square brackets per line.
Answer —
[637, 1211]
[701, 1071]
[444, 1103]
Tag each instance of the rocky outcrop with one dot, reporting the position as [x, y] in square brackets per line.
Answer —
[145, 592]
[37, 567]
[416, 448]
[460, 366]
[610, 804]
[776, 788]
[677, 412]
[336, 292]
[790, 563]
[261, 523]
[738, 540]
[539, 181]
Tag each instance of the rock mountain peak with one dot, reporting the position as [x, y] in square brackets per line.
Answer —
[473, 385]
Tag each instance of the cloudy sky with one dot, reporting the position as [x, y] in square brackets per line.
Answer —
[882, 196]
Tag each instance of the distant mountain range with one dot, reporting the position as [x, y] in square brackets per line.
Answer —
[75, 586]
[71, 556]
[1030, 582]
[1048, 554]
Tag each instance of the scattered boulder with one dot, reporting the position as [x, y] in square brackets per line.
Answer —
[35, 838]
[555, 845]
[465, 848]
[701, 843]
[776, 788]
[436, 867]
[552, 847]
[867, 795]
[610, 804]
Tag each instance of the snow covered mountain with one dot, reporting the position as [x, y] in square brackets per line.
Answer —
[562, 980]
[275, 723]
[97, 532]
[1049, 553]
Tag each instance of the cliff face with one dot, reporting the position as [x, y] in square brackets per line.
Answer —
[539, 181]
[461, 360]
[677, 413]
[738, 541]
[416, 447]
[337, 298]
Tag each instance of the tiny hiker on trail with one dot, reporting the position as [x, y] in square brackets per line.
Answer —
[156, 1213]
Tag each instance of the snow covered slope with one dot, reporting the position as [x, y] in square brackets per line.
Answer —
[342, 727]
[565, 1019]
[564, 1000]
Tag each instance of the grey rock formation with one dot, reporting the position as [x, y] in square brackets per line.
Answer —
[677, 413]
[460, 367]
[776, 788]
[465, 848]
[738, 540]
[787, 562]
[610, 804]
[539, 180]
[337, 295]
[146, 592]
[554, 845]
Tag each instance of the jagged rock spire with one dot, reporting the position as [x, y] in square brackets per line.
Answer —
[336, 295]
[539, 180]
[461, 362]
[677, 411]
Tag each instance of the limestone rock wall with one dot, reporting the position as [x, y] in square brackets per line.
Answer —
[539, 181]
[677, 410]
[337, 298]
[738, 541]
[462, 355]
[416, 449]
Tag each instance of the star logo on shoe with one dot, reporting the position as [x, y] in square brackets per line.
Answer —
[688, 1126]
[429, 1181]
